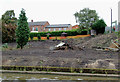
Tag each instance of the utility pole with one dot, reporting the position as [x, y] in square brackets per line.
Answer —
[111, 20]
[119, 16]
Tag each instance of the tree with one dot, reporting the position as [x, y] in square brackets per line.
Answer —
[86, 18]
[9, 24]
[99, 26]
[22, 31]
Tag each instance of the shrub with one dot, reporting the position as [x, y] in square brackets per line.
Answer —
[39, 37]
[31, 36]
[99, 26]
[48, 37]
[5, 45]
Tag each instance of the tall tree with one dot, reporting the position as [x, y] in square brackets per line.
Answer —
[22, 31]
[9, 24]
[86, 18]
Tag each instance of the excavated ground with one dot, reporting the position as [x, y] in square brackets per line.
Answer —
[38, 53]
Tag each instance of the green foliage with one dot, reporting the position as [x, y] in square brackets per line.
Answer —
[39, 37]
[86, 17]
[118, 34]
[93, 72]
[5, 45]
[22, 31]
[48, 37]
[82, 31]
[9, 24]
[99, 26]
[81, 71]
[58, 33]
[31, 36]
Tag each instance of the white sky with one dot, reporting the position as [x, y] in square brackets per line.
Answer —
[60, 11]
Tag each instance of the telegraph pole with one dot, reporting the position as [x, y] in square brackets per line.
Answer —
[119, 16]
[111, 20]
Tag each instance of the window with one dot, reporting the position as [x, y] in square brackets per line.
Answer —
[36, 28]
[64, 28]
[44, 28]
[54, 29]
[49, 29]
[32, 28]
[59, 29]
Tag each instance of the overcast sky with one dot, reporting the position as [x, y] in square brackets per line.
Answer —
[60, 11]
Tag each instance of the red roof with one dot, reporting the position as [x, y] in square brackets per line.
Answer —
[75, 27]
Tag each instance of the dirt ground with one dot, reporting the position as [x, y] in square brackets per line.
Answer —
[38, 53]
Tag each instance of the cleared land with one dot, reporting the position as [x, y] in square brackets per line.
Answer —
[38, 53]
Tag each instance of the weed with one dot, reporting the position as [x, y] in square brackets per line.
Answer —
[5, 45]
[93, 72]
[81, 71]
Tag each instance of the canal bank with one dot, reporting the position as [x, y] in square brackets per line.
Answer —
[62, 73]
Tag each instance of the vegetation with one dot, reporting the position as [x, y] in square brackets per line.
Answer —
[62, 69]
[59, 37]
[39, 37]
[86, 18]
[48, 37]
[58, 33]
[5, 45]
[9, 24]
[31, 36]
[22, 31]
[99, 26]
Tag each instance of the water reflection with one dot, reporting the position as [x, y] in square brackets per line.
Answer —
[15, 77]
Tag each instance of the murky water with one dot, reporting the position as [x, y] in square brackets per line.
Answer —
[19, 76]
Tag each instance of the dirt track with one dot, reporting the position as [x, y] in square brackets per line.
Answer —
[38, 53]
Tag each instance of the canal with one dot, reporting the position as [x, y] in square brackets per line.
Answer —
[21, 76]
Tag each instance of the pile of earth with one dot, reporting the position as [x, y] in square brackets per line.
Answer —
[92, 42]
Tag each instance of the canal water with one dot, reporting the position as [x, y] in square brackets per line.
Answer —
[20, 76]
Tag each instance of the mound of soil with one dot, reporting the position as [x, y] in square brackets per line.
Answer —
[91, 42]
[38, 53]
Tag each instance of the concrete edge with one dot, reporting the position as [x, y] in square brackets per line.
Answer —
[61, 73]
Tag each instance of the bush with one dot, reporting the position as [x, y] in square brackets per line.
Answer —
[99, 26]
[5, 45]
[31, 36]
[39, 37]
[48, 37]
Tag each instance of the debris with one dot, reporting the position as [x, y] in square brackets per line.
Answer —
[65, 46]
[61, 44]
[115, 44]
[113, 47]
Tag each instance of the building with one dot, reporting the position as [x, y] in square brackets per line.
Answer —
[58, 27]
[75, 27]
[38, 26]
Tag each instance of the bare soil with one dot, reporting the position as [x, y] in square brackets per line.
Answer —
[38, 53]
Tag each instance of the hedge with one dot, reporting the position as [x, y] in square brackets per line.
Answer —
[58, 33]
